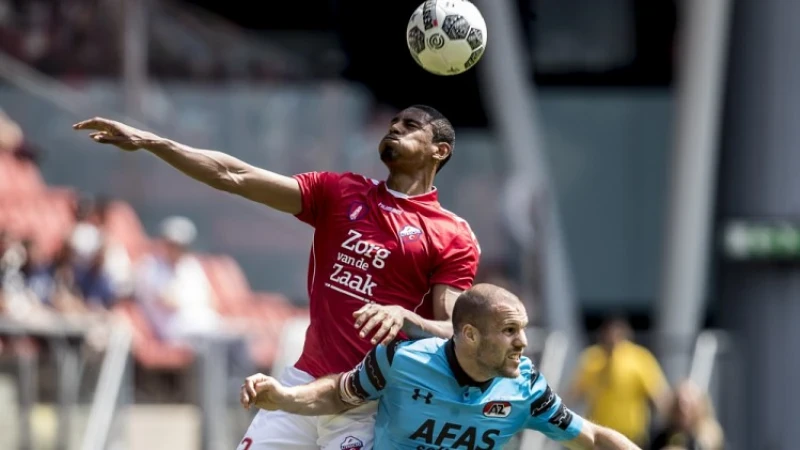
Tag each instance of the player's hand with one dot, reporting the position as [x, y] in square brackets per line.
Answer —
[390, 318]
[262, 391]
[115, 133]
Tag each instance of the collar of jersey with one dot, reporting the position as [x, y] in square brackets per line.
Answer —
[461, 377]
[431, 196]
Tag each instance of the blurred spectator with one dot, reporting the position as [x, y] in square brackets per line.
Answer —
[172, 288]
[114, 263]
[691, 424]
[11, 136]
[177, 298]
[16, 300]
[12, 140]
[619, 381]
[91, 279]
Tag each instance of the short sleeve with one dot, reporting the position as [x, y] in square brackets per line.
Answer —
[368, 380]
[548, 414]
[458, 264]
[316, 191]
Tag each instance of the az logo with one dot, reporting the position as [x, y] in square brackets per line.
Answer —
[497, 409]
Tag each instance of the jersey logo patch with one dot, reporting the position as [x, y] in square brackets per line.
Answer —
[418, 395]
[357, 211]
[497, 409]
[410, 234]
[351, 443]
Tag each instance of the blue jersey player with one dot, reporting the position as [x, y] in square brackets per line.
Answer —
[471, 392]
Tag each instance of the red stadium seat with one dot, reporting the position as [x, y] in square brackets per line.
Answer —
[124, 226]
[148, 350]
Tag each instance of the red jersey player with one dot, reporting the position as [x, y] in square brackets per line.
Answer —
[385, 253]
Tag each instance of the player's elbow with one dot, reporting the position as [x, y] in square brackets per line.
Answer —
[229, 181]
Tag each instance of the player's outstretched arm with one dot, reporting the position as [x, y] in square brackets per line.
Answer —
[595, 437]
[216, 169]
[319, 398]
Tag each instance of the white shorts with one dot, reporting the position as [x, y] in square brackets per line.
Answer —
[278, 430]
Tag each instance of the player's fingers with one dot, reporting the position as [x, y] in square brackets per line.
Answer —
[372, 322]
[250, 388]
[244, 398]
[361, 310]
[364, 316]
[95, 123]
[381, 333]
[393, 330]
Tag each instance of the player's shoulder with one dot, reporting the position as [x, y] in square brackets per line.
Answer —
[457, 226]
[416, 349]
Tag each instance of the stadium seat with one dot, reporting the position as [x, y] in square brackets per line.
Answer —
[265, 313]
[45, 217]
[123, 225]
[148, 350]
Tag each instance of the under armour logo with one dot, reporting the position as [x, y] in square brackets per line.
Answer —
[417, 396]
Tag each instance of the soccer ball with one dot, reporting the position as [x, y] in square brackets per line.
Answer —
[446, 37]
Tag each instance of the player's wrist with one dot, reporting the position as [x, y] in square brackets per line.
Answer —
[155, 143]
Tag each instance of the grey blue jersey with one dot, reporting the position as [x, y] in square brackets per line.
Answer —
[428, 402]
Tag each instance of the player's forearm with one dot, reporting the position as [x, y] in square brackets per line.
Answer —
[417, 327]
[211, 167]
[608, 439]
[318, 398]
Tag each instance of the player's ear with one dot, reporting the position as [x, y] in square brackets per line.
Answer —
[471, 333]
[442, 151]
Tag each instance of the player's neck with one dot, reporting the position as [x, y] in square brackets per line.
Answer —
[410, 184]
[467, 365]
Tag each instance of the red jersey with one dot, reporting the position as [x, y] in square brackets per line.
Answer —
[372, 244]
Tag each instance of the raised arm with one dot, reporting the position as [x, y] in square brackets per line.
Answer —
[216, 169]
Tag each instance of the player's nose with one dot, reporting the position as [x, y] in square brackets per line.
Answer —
[395, 129]
[522, 340]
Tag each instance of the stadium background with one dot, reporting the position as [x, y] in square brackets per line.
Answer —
[622, 100]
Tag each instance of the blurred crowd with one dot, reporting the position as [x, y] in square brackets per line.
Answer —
[621, 382]
[82, 261]
[74, 39]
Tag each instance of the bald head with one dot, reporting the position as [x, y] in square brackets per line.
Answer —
[480, 304]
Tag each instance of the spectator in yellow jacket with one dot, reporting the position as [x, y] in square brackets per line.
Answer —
[618, 381]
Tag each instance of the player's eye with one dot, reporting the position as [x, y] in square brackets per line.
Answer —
[510, 330]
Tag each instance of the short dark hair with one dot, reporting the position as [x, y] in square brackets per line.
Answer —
[477, 306]
[443, 130]
[471, 308]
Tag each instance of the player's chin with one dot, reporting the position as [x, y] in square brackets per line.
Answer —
[511, 366]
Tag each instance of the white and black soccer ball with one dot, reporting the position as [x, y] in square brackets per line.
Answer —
[446, 37]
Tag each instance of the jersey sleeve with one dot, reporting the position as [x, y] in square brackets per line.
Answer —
[368, 380]
[458, 263]
[548, 414]
[317, 191]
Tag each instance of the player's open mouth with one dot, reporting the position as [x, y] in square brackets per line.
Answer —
[514, 356]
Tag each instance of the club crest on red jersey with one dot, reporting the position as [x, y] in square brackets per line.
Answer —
[410, 234]
[497, 409]
[351, 443]
[357, 211]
